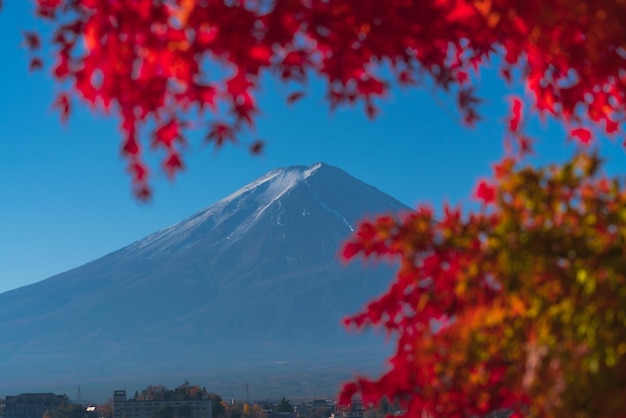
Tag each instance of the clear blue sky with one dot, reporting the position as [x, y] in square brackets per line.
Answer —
[65, 198]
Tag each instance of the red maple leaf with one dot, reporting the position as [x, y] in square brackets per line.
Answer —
[350, 250]
[167, 134]
[131, 147]
[143, 192]
[583, 135]
[62, 103]
[294, 97]
[32, 40]
[220, 133]
[516, 114]
[138, 171]
[172, 164]
[35, 64]
[257, 147]
[486, 192]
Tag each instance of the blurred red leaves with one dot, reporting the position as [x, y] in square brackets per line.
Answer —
[492, 309]
[32, 40]
[35, 64]
[294, 97]
[150, 58]
[220, 133]
[257, 147]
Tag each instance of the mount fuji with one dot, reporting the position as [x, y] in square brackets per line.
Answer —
[249, 289]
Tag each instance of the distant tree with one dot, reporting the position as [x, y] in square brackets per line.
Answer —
[217, 406]
[284, 406]
[182, 391]
[233, 411]
[105, 410]
[196, 392]
[254, 411]
[152, 393]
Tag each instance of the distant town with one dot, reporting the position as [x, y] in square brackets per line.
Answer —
[184, 401]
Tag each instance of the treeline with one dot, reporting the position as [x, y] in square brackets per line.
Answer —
[221, 409]
[182, 392]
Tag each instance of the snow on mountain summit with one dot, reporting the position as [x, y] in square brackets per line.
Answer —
[261, 193]
[280, 179]
[233, 215]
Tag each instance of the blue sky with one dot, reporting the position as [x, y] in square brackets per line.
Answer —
[65, 198]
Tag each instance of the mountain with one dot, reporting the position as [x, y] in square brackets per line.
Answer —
[250, 287]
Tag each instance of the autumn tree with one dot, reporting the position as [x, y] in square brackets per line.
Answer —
[105, 410]
[517, 305]
[184, 391]
[152, 392]
[253, 411]
[217, 405]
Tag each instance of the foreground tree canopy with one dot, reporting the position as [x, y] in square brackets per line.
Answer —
[518, 306]
[152, 62]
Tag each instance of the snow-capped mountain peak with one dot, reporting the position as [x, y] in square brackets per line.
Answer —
[280, 179]
[257, 269]
[254, 198]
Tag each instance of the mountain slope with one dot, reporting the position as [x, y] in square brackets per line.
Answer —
[253, 278]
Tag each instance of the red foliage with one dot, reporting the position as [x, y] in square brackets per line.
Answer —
[149, 60]
[507, 308]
